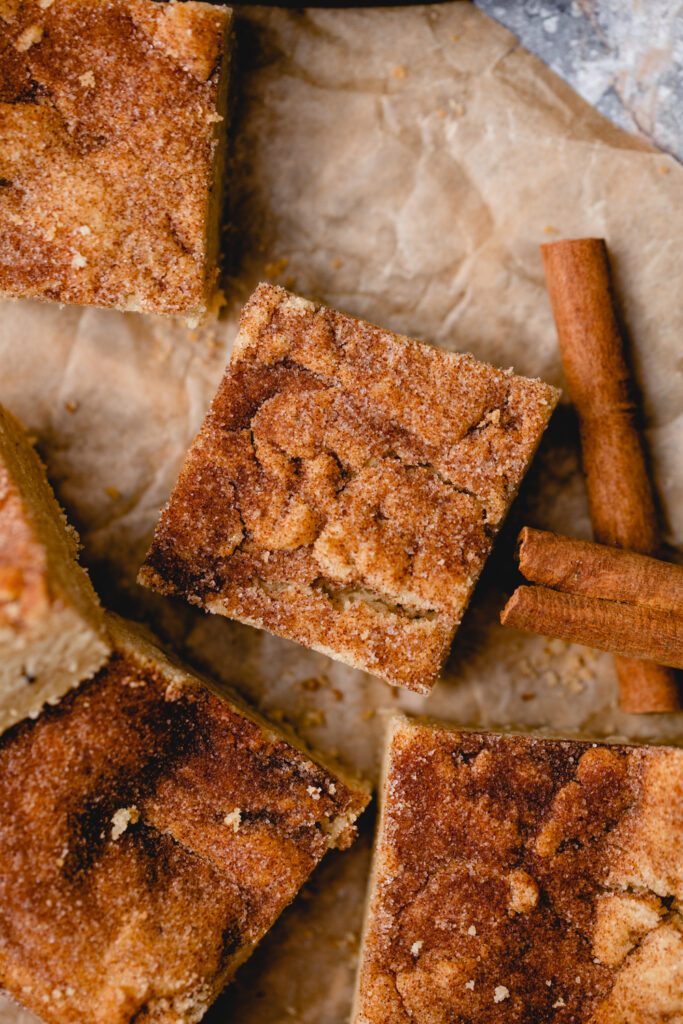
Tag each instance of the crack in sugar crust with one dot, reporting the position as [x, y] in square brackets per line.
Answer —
[124, 919]
[506, 862]
[336, 453]
[108, 132]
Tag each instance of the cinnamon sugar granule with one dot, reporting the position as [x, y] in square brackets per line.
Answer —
[233, 819]
[346, 487]
[122, 818]
[31, 35]
[567, 855]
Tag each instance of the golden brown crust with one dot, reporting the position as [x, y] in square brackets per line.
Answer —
[108, 132]
[346, 486]
[151, 833]
[523, 879]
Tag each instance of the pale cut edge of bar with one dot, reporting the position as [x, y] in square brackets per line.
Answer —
[62, 640]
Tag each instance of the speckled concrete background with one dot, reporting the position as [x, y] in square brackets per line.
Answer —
[623, 56]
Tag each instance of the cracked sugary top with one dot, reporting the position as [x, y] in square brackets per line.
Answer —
[108, 128]
[346, 486]
[151, 832]
[524, 880]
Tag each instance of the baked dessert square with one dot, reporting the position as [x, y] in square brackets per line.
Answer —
[346, 487]
[524, 879]
[52, 632]
[152, 831]
[112, 125]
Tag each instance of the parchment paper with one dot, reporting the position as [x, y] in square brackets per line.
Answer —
[401, 165]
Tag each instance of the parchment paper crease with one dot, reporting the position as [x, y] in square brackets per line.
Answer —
[402, 165]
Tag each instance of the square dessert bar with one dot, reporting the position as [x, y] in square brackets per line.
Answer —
[52, 632]
[152, 831]
[346, 486]
[524, 879]
[111, 139]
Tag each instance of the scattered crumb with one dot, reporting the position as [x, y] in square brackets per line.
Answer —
[78, 261]
[112, 492]
[336, 263]
[399, 71]
[500, 993]
[44, 4]
[470, 984]
[367, 715]
[234, 819]
[87, 80]
[71, 406]
[314, 792]
[32, 34]
[441, 112]
[471, 930]
[122, 818]
[311, 684]
[314, 718]
[560, 1002]
[85, 230]
[416, 947]
[528, 696]
[549, 230]
[331, 788]
[455, 37]
[664, 170]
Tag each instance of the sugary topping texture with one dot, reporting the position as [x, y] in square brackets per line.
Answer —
[108, 129]
[346, 486]
[130, 887]
[24, 579]
[521, 879]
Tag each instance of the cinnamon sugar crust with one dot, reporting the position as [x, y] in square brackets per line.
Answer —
[524, 879]
[151, 833]
[346, 486]
[111, 119]
[52, 633]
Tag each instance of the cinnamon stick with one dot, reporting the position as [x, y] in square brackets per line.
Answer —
[620, 493]
[626, 629]
[595, 570]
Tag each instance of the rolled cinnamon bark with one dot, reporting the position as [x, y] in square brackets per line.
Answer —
[595, 570]
[620, 493]
[626, 629]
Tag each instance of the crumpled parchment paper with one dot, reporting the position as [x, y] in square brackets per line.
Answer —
[402, 165]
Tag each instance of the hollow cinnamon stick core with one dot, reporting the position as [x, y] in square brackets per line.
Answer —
[630, 630]
[595, 570]
[620, 493]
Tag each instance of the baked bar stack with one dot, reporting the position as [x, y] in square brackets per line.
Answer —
[112, 124]
[524, 879]
[346, 487]
[52, 633]
[152, 831]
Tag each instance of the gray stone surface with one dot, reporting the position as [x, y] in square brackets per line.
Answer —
[623, 56]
